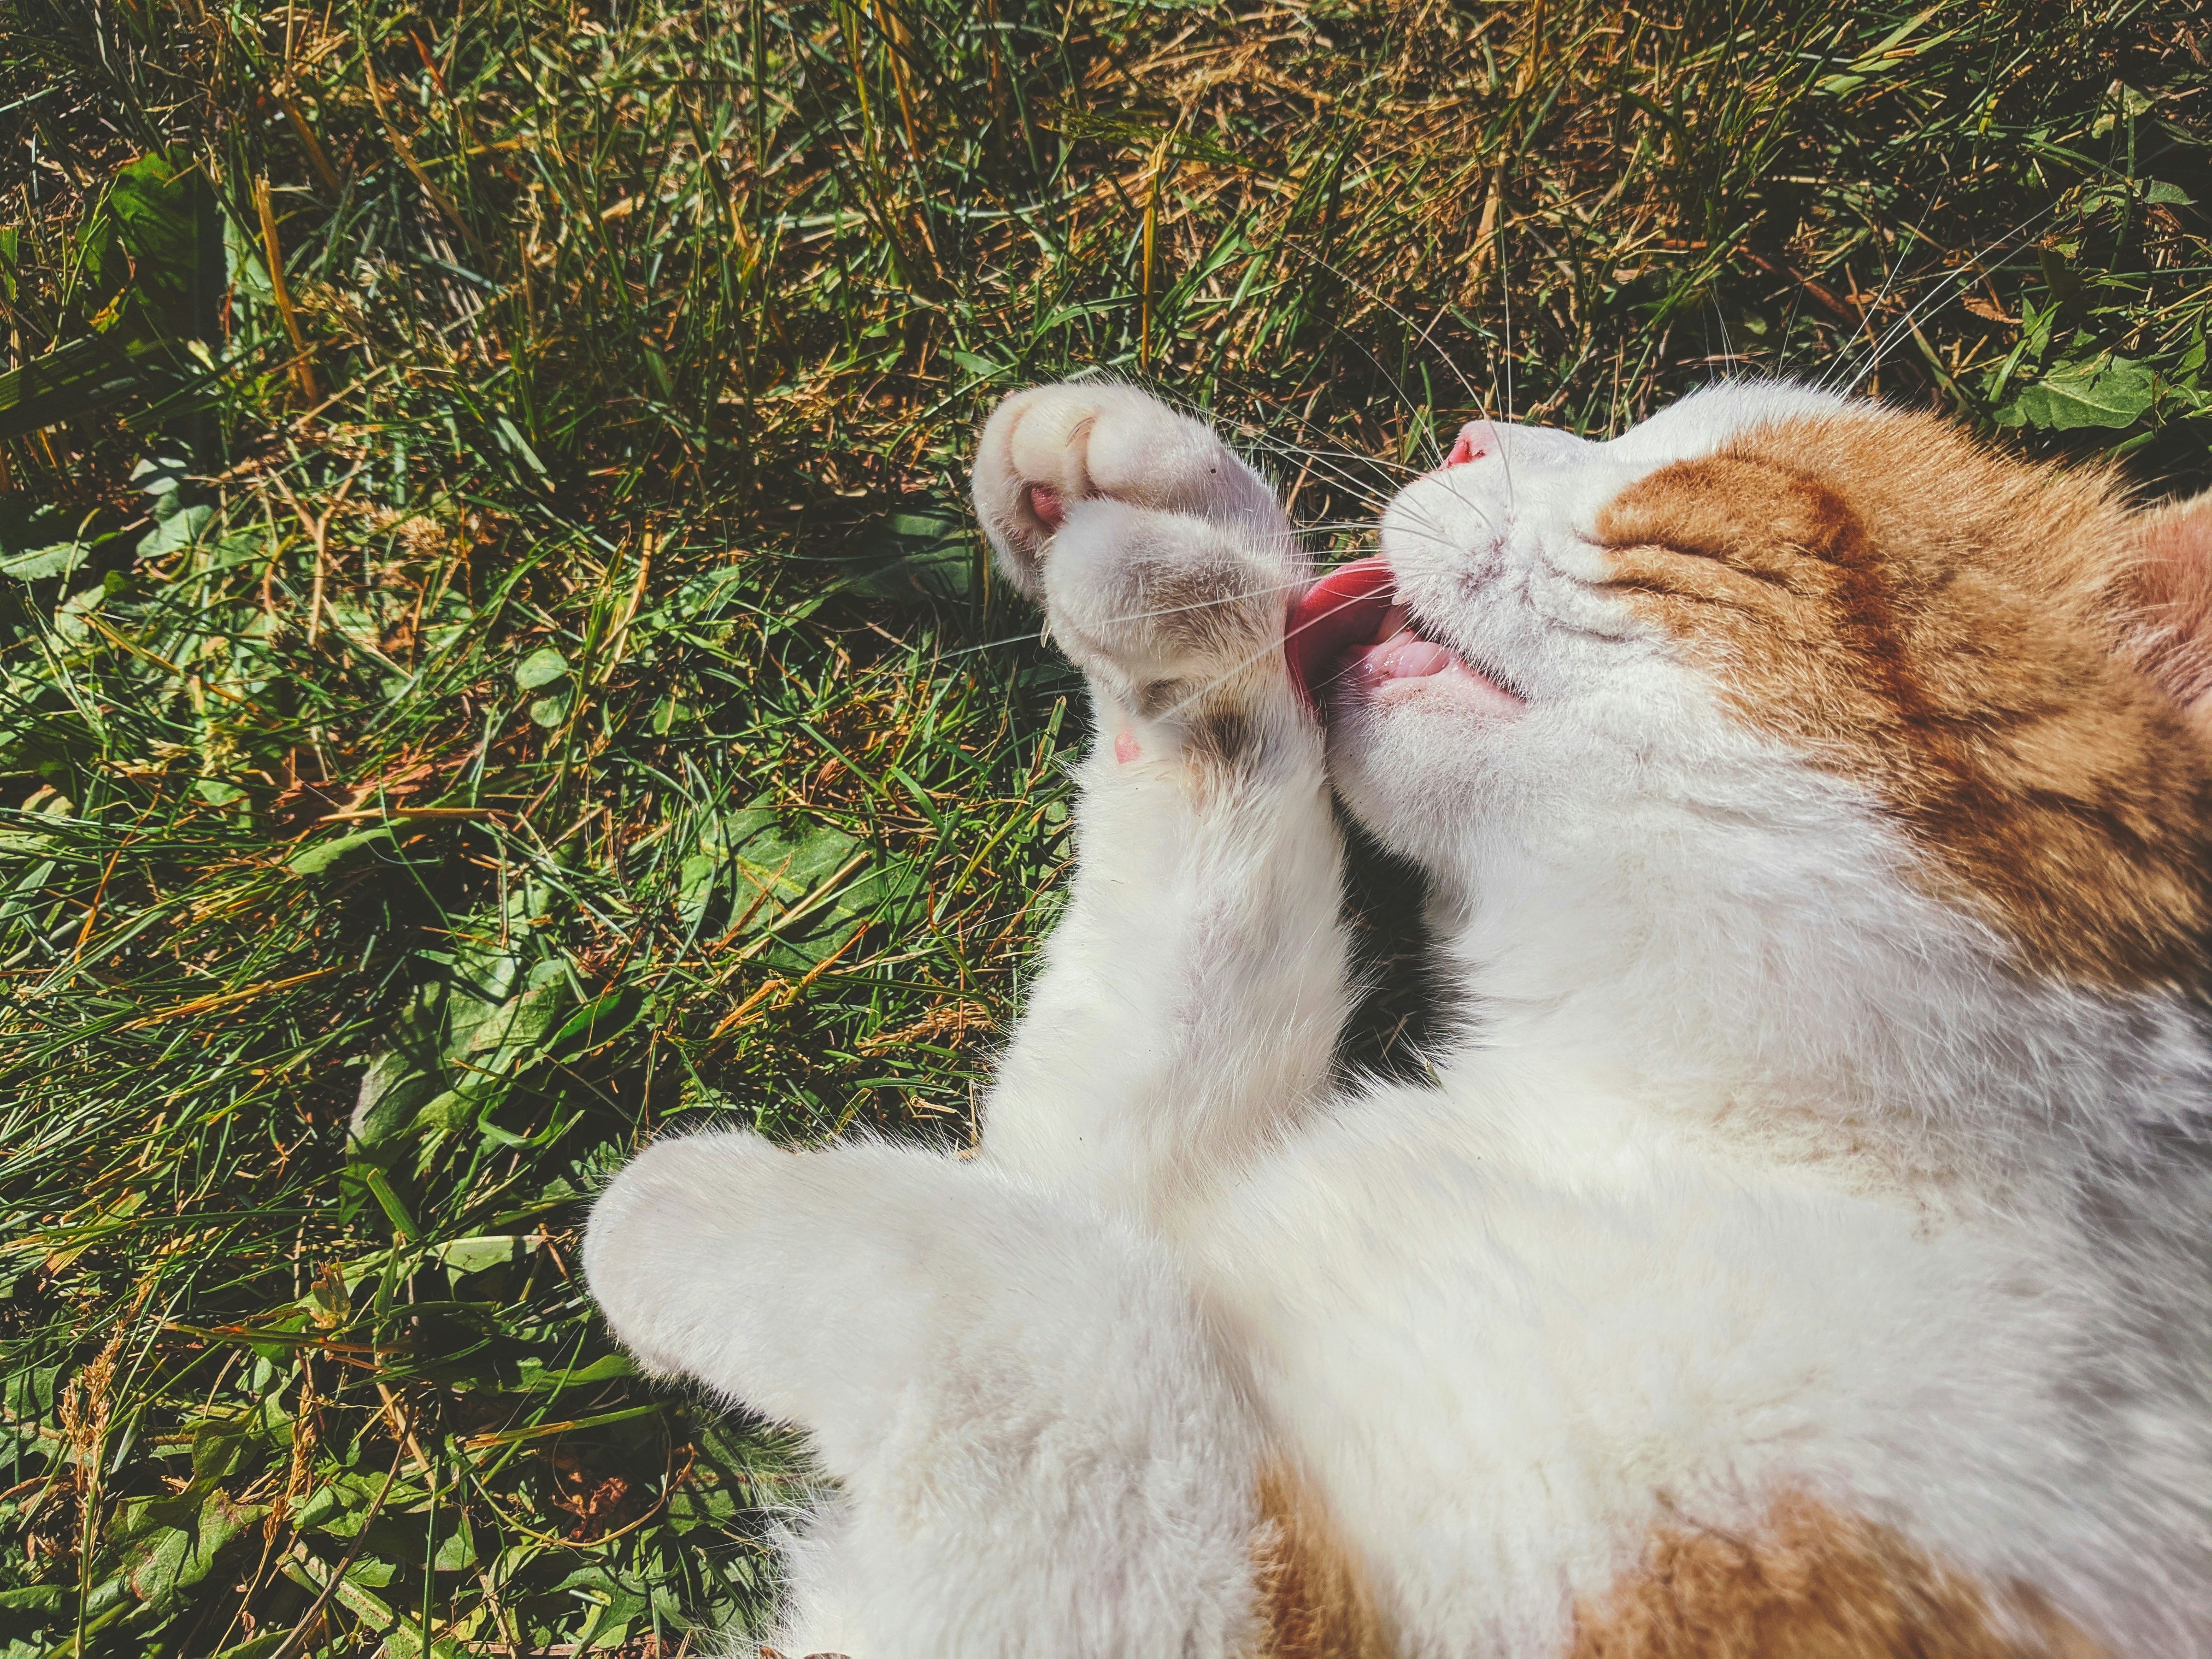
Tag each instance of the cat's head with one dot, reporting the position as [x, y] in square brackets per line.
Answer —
[1780, 687]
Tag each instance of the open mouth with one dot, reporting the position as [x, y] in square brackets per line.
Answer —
[1349, 627]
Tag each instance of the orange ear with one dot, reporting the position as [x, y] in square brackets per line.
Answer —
[2170, 584]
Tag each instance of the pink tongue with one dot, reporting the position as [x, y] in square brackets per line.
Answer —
[1343, 609]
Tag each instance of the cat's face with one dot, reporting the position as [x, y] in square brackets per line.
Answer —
[1772, 651]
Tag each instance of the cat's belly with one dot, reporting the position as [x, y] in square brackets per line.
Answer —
[1507, 1376]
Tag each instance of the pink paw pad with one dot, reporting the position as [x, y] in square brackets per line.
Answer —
[1046, 503]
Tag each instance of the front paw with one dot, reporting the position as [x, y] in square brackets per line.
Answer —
[1046, 451]
[1163, 563]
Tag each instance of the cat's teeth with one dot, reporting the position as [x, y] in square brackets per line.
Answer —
[1405, 656]
[1394, 621]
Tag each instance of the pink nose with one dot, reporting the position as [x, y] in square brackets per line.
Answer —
[1476, 439]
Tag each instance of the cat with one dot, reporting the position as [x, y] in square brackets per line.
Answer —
[1805, 1250]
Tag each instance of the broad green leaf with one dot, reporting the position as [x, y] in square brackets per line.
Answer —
[313, 1575]
[457, 1550]
[514, 1031]
[915, 555]
[473, 1256]
[405, 1069]
[338, 1506]
[616, 1607]
[156, 1561]
[367, 1569]
[321, 856]
[178, 529]
[808, 885]
[44, 564]
[451, 1051]
[160, 475]
[219, 1448]
[448, 1113]
[151, 257]
[70, 623]
[785, 865]
[550, 712]
[600, 1021]
[163, 1560]
[30, 1392]
[541, 667]
[981, 368]
[157, 205]
[2104, 392]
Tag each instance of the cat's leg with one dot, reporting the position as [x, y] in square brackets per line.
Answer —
[1040, 1452]
[1192, 994]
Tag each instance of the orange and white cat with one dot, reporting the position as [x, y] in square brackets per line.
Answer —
[1806, 1248]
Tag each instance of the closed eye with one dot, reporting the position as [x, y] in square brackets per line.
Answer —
[1611, 636]
[1674, 573]
[1690, 595]
[1550, 589]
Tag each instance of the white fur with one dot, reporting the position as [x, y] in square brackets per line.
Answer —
[1762, 1169]
[1040, 1448]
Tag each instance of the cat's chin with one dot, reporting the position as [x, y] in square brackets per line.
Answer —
[1413, 726]
[1421, 762]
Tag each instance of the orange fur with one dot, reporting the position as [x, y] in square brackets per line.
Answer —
[1937, 622]
[1314, 1598]
[1810, 1583]
[2169, 583]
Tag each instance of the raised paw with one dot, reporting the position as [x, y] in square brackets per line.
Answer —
[1046, 451]
[1165, 564]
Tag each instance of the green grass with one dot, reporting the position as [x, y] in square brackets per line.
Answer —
[538, 661]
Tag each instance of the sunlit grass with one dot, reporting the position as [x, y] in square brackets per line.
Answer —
[536, 679]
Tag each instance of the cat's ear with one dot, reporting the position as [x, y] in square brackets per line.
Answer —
[2169, 589]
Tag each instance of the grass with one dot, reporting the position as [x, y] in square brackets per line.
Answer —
[493, 652]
